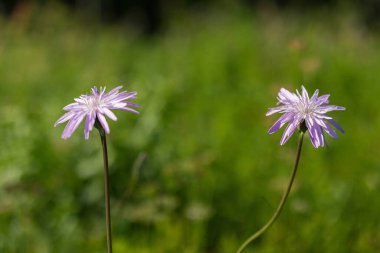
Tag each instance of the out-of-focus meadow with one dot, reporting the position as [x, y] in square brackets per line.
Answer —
[196, 171]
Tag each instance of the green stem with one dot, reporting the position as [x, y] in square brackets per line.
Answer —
[283, 200]
[106, 188]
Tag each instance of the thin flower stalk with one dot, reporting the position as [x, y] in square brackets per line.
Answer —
[103, 139]
[282, 202]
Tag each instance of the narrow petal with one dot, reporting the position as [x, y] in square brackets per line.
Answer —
[330, 131]
[315, 96]
[286, 97]
[319, 122]
[132, 104]
[311, 127]
[109, 113]
[123, 96]
[70, 106]
[320, 135]
[92, 118]
[115, 90]
[95, 91]
[102, 91]
[117, 105]
[290, 130]
[64, 118]
[72, 126]
[103, 122]
[280, 122]
[336, 125]
[275, 110]
[328, 108]
[79, 100]
[130, 110]
[305, 95]
[322, 116]
[88, 125]
[324, 99]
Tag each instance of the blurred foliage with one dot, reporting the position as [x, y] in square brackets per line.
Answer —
[196, 170]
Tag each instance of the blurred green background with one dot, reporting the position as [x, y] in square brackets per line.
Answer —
[196, 171]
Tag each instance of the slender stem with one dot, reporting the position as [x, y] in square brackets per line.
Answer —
[106, 189]
[282, 202]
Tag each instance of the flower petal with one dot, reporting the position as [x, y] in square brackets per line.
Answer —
[314, 98]
[103, 122]
[330, 131]
[324, 99]
[313, 132]
[87, 127]
[290, 130]
[70, 106]
[114, 90]
[110, 114]
[72, 126]
[132, 104]
[286, 97]
[280, 122]
[95, 91]
[122, 96]
[89, 124]
[64, 118]
[328, 108]
[336, 125]
[130, 110]
[305, 95]
[320, 135]
[92, 120]
[275, 110]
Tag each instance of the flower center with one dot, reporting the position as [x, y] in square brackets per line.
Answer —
[305, 109]
[93, 103]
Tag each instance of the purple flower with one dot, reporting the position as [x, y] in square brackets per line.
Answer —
[298, 109]
[94, 107]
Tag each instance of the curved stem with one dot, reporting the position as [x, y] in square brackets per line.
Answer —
[282, 202]
[106, 189]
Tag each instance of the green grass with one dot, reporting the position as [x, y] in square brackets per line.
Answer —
[212, 175]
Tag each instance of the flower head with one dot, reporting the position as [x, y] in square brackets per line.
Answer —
[300, 110]
[94, 107]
